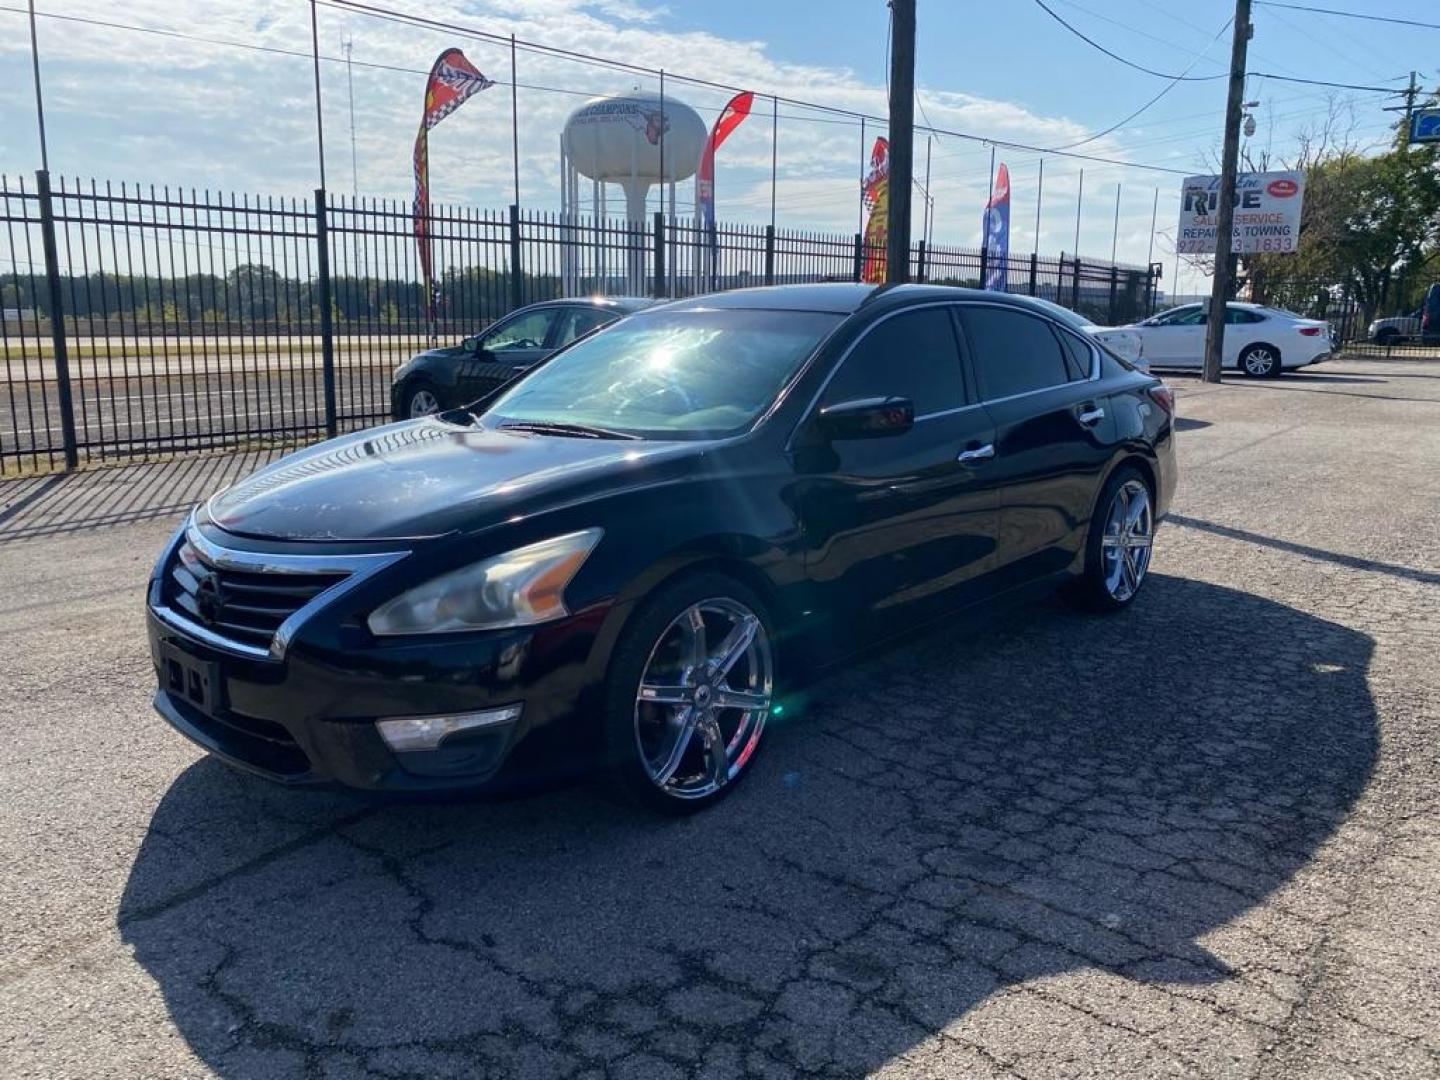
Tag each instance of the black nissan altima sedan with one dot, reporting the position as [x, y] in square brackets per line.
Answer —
[625, 560]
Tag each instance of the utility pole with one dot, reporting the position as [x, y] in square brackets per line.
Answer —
[929, 201]
[902, 139]
[40, 100]
[319, 117]
[349, 44]
[1225, 223]
[1410, 95]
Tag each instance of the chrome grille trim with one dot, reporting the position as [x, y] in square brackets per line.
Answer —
[355, 568]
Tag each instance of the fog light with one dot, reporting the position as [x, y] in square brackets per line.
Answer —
[402, 733]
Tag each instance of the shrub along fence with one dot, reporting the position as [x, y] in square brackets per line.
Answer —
[144, 320]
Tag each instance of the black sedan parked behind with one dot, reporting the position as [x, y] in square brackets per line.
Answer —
[627, 558]
[450, 376]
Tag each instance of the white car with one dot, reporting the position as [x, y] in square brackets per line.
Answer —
[1260, 341]
[1123, 341]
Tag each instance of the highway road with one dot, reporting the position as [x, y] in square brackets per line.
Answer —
[203, 400]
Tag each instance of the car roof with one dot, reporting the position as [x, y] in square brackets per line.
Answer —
[839, 297]
[843, 298]
[622, 304]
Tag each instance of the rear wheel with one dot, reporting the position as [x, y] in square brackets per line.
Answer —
[1117, 549]
[1261, 362]
[688, 694]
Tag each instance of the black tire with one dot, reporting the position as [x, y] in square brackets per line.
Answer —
[1090, 591]
[412, 389]
[1387, 337]
[626, 771]
[1248, 360]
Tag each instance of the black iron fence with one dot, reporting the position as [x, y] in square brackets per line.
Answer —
[1391, 328]
[137, 321]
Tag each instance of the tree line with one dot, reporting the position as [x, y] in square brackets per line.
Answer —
[255, 296]
[1369, 229]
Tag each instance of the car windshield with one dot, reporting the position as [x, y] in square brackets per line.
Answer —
[668, 374]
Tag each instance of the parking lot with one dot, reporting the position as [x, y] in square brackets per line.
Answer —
[1198, 839]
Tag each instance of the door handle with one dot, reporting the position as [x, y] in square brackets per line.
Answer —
[979, 453]
[1091, 415]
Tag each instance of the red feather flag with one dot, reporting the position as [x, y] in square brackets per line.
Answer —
[453, 81]
[730, 118]
[877, 198]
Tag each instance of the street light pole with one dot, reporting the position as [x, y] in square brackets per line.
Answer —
[902, 139]
[1225, 219]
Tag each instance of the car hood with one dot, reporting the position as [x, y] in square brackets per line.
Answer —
[442, 352]
[429, 477]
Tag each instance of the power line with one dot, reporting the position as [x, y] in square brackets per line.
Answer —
[1168, 87]
[1326, 82]
[1116, 56]
[1351, 14]
[837, 115]
[405, 18]
[1130, 28]
[1297, 26]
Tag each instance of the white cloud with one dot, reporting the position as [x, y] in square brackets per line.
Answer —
[211, 115]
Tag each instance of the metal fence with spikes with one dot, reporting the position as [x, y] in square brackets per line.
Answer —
[137, 321]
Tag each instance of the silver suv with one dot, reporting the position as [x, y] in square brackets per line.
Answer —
[1394, 330]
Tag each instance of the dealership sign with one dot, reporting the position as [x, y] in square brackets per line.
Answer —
[1425, 126]
[1267, 213]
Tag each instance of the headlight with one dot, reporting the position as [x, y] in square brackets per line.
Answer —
[519, 588]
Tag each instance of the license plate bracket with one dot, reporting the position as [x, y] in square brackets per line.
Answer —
[191, 679]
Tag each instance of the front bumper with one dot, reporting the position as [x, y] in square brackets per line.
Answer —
[309, 718]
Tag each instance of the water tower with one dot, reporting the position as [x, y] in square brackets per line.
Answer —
[635, 140]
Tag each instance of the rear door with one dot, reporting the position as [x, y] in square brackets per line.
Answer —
[1244, 327]
[898, 529]
[577, 321]
[1053, 434]
[1177, 338]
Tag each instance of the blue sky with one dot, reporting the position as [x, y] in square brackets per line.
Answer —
[135, 106]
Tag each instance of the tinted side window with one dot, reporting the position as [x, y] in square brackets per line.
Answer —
[1013, 352]
[1078, 355]
[1236, 316]
[910, 355]
[1175, 317]
[526, 332]
[578, 320]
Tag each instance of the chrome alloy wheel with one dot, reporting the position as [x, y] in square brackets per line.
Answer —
[1125, 547]
[1260, 361]
[423, 403]
[703, 698]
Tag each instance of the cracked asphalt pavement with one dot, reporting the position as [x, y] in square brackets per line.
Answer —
[1198, 839]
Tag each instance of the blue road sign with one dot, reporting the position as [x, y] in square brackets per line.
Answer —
[1425, 125]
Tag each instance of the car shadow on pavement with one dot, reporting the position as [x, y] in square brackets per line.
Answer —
[59, 503]
[1106, 797]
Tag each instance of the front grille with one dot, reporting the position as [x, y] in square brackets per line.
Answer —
[246, 606]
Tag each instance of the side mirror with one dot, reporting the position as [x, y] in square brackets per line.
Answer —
[867, 418]
[471, 343]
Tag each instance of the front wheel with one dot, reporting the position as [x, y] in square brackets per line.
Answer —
[1260, 362]
[420, 398]
[688, 693]
[1118, 546]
